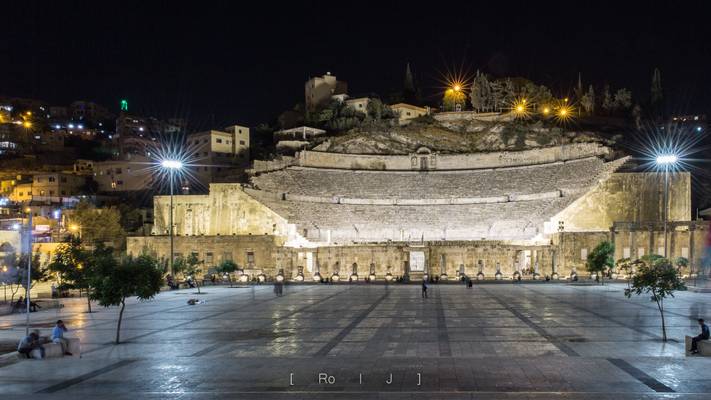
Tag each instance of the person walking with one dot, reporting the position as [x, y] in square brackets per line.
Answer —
[424, 289]
[58, 337]
[703, 336]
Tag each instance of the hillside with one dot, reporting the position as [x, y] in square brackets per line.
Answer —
[464, 136]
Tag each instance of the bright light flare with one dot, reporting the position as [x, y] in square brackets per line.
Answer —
[520, 108]
[667, 159]
[171, 164]
[564, 113]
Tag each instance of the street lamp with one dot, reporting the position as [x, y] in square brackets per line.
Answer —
[28, 210]
[666, 161]
[172, 166]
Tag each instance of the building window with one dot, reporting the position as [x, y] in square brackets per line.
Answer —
[583, 254]
[626, 252]
[51, 179]
[685, 252]
[407, 113]
[241, 142]
[63, 179]
[240, 130]
[660, 251]
[208, 257]
[218, 140]
[119, 182]
[41, 192]
[640, 252]
[51, 192]
[64, 192]
[250, 257]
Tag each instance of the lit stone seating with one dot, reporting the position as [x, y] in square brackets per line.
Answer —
[435, 222]
[570, 176]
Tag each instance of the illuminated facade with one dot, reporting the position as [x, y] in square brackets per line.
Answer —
[494, 215]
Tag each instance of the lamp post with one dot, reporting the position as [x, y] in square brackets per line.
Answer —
[172, 166]
[29, 269]
[666, 161]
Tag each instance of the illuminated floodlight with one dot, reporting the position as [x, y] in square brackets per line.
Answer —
[667, 159]
[171, 164]
[520, 108]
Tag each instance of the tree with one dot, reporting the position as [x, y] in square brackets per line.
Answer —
[588, 100]
[410, 93]
[227, 267]
[97, 224]
[481, 95]
[681, 262]
[452, 98]
[601, 258]
[189, 267]
[607, 102]
[114, 282]
[658, 277]
[656, 90]
[17, 272]
[72, 266]
[622, 99]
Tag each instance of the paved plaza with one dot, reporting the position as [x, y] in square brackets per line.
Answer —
[514, 341]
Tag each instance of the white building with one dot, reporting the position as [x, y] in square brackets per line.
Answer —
[217, 153]
[408, 111]
[319, 90]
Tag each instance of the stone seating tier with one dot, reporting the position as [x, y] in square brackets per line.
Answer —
[434, 187]
[521, 219]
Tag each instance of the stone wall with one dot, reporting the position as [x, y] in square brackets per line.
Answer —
[472, 116]
[213, 250]
[227, 210]
[281, 162]
[684, 239]
[317, 159]
[633, 197]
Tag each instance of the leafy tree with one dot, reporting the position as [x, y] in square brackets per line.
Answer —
[72, 264]
[623, 99]
[17, 272]
[189, 267]
[131, 219]
[114, 282]
[227, 267]
[601, 258]
[681, 262]
[452, 98]
[656, 276]
[377, 110]
[97, 224]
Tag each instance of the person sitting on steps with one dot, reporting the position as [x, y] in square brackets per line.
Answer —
[703, 336]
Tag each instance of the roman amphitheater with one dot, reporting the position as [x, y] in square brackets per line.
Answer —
[350, 212]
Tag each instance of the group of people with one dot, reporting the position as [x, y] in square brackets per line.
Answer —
[33, 341]
[21, 305]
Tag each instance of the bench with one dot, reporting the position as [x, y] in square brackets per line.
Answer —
[704, 346]
[54, 350]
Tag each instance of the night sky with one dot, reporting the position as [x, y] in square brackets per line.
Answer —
[247, 61]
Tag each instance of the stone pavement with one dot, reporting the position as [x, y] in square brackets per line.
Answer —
[513, 341]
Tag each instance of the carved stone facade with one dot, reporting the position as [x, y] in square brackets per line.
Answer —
[498, 219]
